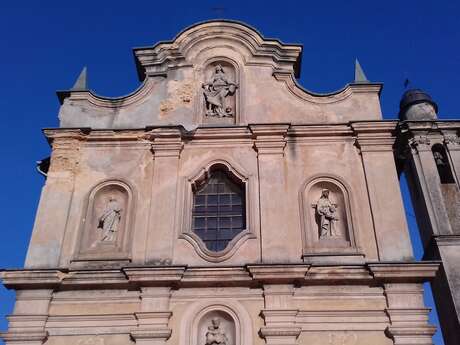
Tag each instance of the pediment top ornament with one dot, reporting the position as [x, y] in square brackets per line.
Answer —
[240, 36]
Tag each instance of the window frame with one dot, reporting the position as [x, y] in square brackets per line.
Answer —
[251, 209]
[221, 214]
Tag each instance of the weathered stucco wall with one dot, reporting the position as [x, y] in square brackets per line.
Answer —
[324, 256]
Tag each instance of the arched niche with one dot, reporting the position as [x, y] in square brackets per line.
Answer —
[199, 319]
[326, 215]
[219, 95]
[105, 227]
[442, 164]
[216, 326]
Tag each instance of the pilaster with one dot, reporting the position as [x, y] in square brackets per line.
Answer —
[55, 201]
[26, 326]
[166, 147]
[280, 316]
[270, 142]
[408, 316]
[375, 141]
[154, 316]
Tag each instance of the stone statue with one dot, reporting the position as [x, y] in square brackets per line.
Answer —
[110, 220]
[327, 211]
[438, 158]
[215, 335]
[215, 93]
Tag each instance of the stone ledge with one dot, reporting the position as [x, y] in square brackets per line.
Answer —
[280, 332]
[151, 333]
[24, 336]
[410, 272]
[302, 274]
[278, 272]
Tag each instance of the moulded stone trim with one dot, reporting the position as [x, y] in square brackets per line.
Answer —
[278, 273]
[304, 274]
[87, 324]
[196, 311]
[37, 337]
[123, 244]
[308, 233]
[342, 320]
[345, 273]
[133, 98]
[340, 95]
[405, 272]
[149, 275]
[267, 52]
[17, 279]
[185, 192]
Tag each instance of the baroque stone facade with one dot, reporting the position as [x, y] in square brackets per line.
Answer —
[221, 204]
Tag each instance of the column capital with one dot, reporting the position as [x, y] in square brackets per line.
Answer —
[167, 142]
[270, 138]
[374, 136]
[452, 141]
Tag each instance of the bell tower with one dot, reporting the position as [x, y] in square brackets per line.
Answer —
[429, 155]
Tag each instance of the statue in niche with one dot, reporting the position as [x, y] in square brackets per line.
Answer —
[215, 335]
[215, 93]
[327, 212]
[110, 220]
[438, 158]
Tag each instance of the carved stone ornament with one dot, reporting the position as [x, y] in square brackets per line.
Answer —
[216, 91]
[420, 140]
[215, 335]
[452, 139]
[327, 213]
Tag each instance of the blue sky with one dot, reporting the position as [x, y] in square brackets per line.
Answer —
[44, 45]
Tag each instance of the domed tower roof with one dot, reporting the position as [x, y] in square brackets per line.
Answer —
[412, 97]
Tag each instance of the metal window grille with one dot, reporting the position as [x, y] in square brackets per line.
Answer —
[219, 210]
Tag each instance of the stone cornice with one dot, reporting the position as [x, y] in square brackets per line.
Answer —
[404, 272]
[270, 139]
[421, 135]
[254, 274]
[24, 337]
[305, 95]
[135, 97]
[167, 142]
[374, 136]
[261, 132]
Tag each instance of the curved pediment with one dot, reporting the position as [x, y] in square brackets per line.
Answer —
[218, 73]
[239, 36]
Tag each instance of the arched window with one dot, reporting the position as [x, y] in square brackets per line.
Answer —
[442, 164]
[219, 210]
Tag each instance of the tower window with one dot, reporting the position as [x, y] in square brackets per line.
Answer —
[219, 210]
[442, 164]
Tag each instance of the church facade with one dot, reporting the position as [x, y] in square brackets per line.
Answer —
[221, 204]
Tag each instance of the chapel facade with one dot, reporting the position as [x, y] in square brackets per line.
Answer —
[221, 204]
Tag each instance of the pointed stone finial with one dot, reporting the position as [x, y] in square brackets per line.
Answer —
[360, 77]
[82, 82]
